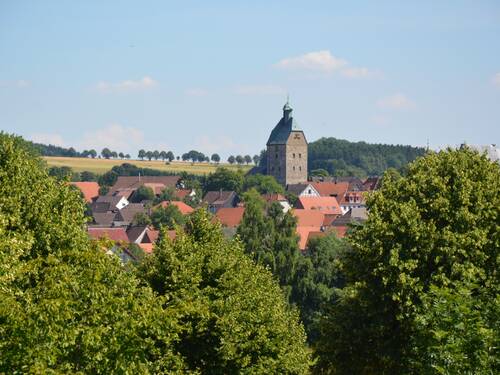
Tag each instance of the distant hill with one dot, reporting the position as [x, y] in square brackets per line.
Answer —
[343, 158]
[51, 150]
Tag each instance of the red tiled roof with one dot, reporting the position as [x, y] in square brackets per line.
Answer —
[89, 189]
[182, 193]
[183, 207]
[340, 231]
[303, 233]
[230, 216]
[329, 219]
[327, 205]
[134, 182]
[357, 196]
[331, 189]
[309, 218]
[155, 186]
[146, 247]
[114, 234]
[273, 197]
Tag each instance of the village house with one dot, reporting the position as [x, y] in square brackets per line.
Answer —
[216, 200]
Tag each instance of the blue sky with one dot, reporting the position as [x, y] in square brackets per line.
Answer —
[214, 75]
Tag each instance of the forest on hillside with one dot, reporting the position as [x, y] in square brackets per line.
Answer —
[343, 158]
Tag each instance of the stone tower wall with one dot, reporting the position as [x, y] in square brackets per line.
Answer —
[296, 158]
[276, 162]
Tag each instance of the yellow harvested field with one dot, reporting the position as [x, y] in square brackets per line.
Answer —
[101, 166]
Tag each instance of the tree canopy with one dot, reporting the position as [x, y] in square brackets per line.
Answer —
[422, 288]
[231, 325]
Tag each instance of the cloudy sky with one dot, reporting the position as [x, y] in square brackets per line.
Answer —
[214, 75]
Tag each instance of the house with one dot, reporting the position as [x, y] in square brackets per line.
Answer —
[230, 216]
[126, 185]
[183, 207]
[275, 197]
[113, 234]
[308, 221]
[181, 194]
[353, 199]
[353, 216]
[327, 205]
[371, 183]
[220, 199]
[302, 190]
[126, 215]
[150, 238]
[89, 189]
[331, 189]
[105, 203]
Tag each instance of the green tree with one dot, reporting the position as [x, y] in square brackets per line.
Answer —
[88, 176]
[168, 217]
[317, 277]
[256, 159]
[248, 159]
[320, 172]
[215, 158]
[141, 218]
[106, 153]
[263, 184]
[143, 193]
[423, 271]
[121, 155]
[61, 173]
[225, 331]
[163, 155]
[141, 154]
[224, 179]
[270, 238]
[66, 306]
[231, 160]
[156, 154]
[239, 159]
[93, 153]
[149, 155]
[170, 156]
[167, 194]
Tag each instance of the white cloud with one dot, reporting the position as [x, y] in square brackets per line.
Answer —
[259, 90]
[325, 63]
[48, 139]
[196, 91]
[115, 136]
[396, 101]
[496, 79]
[128, 85]
[322, 61]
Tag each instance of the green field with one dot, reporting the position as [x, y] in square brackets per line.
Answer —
[101, 166]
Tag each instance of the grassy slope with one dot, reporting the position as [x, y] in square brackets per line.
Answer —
[101, 166]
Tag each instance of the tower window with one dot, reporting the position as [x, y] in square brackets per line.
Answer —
[276, 156]
[300, 168]
[293, 168]
[294, 156]
[300, 155]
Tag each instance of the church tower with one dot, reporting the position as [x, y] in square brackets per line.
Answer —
[287, 151]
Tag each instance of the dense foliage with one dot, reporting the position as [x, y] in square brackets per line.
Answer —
[308, 280]
[230, 324]
[343, 158]
[422, 286]
[67, 307]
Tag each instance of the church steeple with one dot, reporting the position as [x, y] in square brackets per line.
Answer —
[287, 110]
